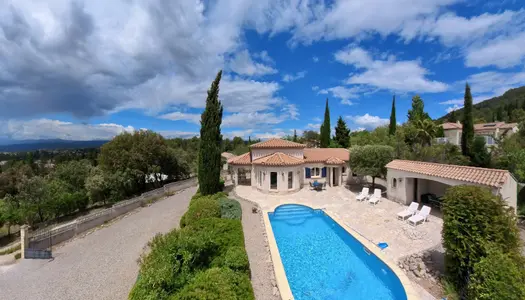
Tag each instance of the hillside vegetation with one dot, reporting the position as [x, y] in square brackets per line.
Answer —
[508, 107]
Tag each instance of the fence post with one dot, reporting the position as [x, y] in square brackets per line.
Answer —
[24, 240]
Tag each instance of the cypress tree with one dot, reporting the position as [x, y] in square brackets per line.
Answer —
[467, 137]
[392, 127]
[294, 135]
[325, 128]
[210, 145]
[342, 133]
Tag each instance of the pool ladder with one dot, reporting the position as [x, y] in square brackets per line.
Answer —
[367, 251]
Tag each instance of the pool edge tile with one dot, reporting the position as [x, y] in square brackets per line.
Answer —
[278, 267]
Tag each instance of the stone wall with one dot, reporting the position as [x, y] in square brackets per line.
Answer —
[43, 239]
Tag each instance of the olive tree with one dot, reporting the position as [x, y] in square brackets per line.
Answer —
[370, 160]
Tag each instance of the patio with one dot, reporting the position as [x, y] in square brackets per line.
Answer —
[377, 223]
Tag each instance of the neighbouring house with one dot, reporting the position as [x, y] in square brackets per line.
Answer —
[408, 180]
[281, 166]
[490, 131]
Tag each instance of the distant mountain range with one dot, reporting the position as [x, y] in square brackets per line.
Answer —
[499, 108]
[55, 144]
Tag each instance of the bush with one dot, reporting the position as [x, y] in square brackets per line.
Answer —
[18, 255]
[230, 209]
[174, 260]
[200, 208]
[237, 260]
[472, 217]
[497, 276]
[217, 284]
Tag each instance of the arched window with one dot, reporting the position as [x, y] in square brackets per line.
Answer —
[394, 183]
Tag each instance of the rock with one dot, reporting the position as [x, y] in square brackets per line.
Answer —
[275, 291]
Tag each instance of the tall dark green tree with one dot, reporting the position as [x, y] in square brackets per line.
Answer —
[467, 137]
[417, 112]
[325, 128]
[210, 146]
[393, 125]
[342, 133]
[499, 113]
[295, 135]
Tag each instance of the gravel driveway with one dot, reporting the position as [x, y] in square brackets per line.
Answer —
[101, 265]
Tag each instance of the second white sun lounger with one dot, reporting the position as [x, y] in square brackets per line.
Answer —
[363, 195]
[420, 216]
[375, 197]
[409, 211]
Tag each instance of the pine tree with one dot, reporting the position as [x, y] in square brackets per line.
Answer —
[294, 135]
[325, 128]
[210, 145]
[342, 133]
[467, 136]
[418, 110]
[393, 125]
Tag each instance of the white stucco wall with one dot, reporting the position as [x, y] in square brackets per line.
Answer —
[404, 194]
[282, 179]
[257, 153]
[453, 136]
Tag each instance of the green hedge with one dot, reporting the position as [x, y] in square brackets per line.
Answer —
[200, 208]
[217, 284]
[230, 209]
[204, 260]
[497, 276]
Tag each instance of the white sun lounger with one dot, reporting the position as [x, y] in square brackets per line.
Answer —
[420, 216]
[409, 211]
[375, 197]
[363, 195]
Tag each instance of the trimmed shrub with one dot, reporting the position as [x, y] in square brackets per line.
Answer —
[230, 209]
[472, 217]
[237, 260]
[225, 233]
[497, 276]
[217, 284]
[174, 260]
[200, 208]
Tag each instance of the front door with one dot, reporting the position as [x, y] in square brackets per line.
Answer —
[273, 180]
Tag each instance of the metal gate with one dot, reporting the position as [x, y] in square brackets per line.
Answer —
[40, 245]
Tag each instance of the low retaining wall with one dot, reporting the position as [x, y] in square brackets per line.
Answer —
[44, 239]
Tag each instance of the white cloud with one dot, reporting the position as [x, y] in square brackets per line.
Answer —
[251, 120]
[359, 129]
[317, 119]
[315, 88]
[367, 121]
[180, 116]
[391, 74]
[177, 134]
[270, 135]
[452, 102]
[265, 57]
[294, 77]
[502, 52]
[315, 59]
[313, 126]
[54, 129]
[343, 93]
[244, 65]
[292, 111]
[453, 108]
[494, 83]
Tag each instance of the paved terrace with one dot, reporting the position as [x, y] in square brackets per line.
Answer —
[377, 223]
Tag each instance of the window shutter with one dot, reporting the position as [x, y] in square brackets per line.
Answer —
[307, 171]
[323, 171]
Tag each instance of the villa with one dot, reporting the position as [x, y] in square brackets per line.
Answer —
[281, 166]
[490, 131]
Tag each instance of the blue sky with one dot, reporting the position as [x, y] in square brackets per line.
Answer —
[83, 70]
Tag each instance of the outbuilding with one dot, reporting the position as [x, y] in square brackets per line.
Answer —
[408, 180]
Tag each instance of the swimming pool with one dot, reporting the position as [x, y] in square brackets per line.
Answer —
[323, 261]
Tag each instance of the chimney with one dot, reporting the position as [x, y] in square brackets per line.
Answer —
[458, 122]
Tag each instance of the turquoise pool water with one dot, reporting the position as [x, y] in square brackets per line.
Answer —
[323, 261]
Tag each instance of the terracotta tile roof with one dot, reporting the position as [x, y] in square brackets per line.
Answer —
[483, 127]
[227, 155]
[334, 161]
[319, 155]
[489, 177]
[449, 125]
[278, 159]
[277, 143]
[243, 159]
